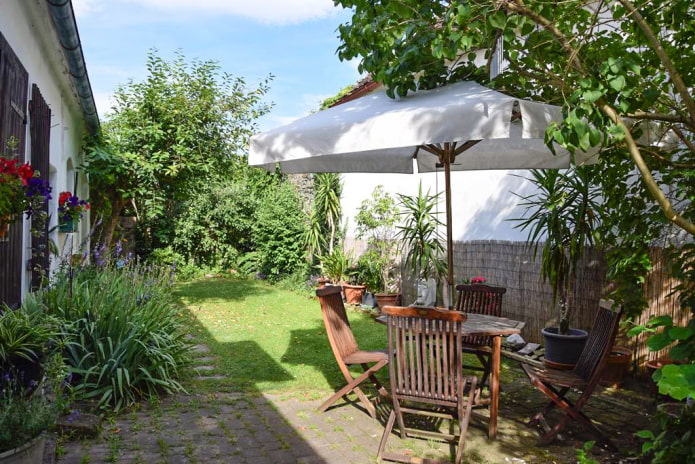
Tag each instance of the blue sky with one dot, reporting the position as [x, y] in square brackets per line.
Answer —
[294, 40]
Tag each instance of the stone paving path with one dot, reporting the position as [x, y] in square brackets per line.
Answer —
[247, 428]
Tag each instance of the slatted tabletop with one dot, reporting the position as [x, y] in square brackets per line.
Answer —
[484, 325]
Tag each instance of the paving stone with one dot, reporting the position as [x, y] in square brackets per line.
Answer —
[237, 428]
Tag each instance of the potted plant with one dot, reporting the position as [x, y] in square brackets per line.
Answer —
[368, 273]
[561, 217]
[21, 192]
[376, 220]
[334, 266]
[70, 210]
[421, 243]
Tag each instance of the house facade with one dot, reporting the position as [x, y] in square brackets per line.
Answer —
[46, 109]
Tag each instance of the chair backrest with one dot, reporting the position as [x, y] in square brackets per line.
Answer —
[336, 322]
[599, 342]
[425, 354]
[480, 299]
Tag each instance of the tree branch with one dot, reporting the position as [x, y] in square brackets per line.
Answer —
[645, 172]
[653, 41]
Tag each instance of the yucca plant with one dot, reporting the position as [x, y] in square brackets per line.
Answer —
[335, 265]
[562, 218]
[421, 242]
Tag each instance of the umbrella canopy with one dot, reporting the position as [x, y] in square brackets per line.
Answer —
[462, 126]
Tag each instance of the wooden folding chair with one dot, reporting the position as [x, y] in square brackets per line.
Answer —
[347, 352]
[585, 376]
[479, 299]
[425, 371]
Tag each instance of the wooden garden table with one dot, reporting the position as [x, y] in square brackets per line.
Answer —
[495, 327]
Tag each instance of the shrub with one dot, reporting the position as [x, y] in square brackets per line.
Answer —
[215, 225]
[124, 338]
[278, 232]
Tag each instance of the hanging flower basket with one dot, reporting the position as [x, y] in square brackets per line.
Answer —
[21, 192]
[70, 210]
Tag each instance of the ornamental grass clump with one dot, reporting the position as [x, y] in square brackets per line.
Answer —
[125, 337]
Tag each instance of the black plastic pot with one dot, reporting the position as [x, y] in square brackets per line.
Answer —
[563, 349]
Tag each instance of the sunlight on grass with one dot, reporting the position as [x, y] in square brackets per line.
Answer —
[269, 340]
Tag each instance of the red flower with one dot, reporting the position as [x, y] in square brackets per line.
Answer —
[25, 172]
[64, 197]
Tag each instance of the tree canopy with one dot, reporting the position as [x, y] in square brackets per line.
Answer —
[623, 72]
[184, 124]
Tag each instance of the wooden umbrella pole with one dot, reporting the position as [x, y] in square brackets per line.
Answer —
[449, 229]
[447, 153]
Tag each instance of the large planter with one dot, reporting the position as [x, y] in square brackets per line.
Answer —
[353, 293]
[617, 366]
[388, 299]
[29, 453]
[563, 350]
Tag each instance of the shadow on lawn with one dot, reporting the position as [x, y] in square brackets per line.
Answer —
[225, 289]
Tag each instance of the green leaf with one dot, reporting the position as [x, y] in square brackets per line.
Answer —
[659, 321]
[592, 95]
[617, 83]
[645, 434]
[498, 19]
[658, 342]
[677, 381]
[680, 333]
[637, 330]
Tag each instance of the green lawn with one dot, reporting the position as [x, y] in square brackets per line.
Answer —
[269, 340]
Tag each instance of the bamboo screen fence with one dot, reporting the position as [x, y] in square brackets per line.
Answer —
[512, 265]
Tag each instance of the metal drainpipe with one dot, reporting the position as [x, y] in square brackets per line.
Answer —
[63, 18]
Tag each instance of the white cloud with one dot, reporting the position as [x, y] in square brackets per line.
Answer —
[264, 11]
[103, 102]
[85, 7]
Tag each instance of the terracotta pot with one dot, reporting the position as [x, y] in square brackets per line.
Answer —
[5, 223]
[388, 299]
[322, 282]
[353, 293]
[617, 366]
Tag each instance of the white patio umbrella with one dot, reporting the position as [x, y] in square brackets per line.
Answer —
[462, 126]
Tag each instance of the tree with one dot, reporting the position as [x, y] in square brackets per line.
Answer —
[186, 123]
[377, 219]
[622, 70]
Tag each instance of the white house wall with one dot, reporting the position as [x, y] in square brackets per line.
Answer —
[27, 27]
[482, 201]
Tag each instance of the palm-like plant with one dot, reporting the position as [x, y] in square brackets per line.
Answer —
[328, 189]
[562, 217]
[421, 242]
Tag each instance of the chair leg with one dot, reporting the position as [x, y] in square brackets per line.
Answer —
[379, 387]
[385, 436]
[353, 385]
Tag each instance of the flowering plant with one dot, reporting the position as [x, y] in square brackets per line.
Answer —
[70, 207]
[478, 280]
[21, 190]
